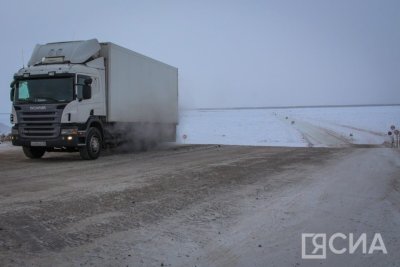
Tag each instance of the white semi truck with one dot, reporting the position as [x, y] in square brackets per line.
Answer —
[82, 95]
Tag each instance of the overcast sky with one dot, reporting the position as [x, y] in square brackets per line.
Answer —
[230, 53]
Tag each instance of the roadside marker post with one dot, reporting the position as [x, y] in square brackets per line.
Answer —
[184, 136]
[396, 133]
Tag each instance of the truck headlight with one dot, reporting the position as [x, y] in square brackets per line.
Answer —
[14, 131]
[69, 131]
[11, 118]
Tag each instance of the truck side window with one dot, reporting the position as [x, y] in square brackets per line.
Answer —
[81, 82]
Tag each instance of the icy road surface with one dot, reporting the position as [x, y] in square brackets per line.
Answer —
[197, 206]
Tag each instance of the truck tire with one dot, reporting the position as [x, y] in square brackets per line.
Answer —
[93, 145]
[33, 152]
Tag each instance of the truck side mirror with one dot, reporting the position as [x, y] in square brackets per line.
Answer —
[88, 81]
[12, 91]
[86, 91]
[12, 94]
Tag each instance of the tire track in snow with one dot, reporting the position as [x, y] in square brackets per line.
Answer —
[318, 136]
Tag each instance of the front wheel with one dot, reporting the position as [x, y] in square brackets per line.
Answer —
[33, 152]
[93, 145]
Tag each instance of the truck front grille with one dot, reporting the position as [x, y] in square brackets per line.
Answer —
[38, 124]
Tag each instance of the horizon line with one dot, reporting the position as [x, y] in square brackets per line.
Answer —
[296, 106]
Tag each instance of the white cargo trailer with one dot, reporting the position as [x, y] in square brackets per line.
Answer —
[82, 95]
[140, 89]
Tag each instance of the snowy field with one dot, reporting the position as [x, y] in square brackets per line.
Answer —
[298, 127]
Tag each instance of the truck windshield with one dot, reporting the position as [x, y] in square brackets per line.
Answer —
[48, 90]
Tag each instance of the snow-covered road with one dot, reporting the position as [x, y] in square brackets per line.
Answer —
[197, 206]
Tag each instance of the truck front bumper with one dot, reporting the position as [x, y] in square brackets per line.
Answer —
[68, 141]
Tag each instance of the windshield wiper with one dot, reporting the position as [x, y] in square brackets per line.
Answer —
[41, 99]
[45, 98]
[26, 100]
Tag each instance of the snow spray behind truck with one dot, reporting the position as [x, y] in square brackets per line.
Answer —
[81, 95]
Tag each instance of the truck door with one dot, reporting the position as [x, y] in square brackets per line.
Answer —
[86, 104]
